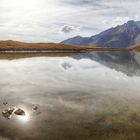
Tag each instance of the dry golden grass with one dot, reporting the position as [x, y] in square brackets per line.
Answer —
[10, 45]
[134, 48]
[14, 45]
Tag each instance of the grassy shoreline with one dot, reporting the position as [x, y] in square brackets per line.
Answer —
[54, 47]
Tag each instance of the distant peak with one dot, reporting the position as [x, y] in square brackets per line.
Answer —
[78, 36]
[131, 25]
[131, 22]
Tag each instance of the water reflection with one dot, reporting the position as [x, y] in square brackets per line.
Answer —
[126, 62]
[86, 97]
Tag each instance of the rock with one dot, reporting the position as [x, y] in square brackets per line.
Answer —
[20, 112]
[35, 108]
[7, 113]
[5, 103]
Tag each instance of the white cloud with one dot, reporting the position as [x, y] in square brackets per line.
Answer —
[41, 20]
[121, 19]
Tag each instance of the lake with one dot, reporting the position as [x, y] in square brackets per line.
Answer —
[90, 96]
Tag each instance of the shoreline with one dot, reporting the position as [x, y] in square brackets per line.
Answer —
[63, 50]
[10, 54]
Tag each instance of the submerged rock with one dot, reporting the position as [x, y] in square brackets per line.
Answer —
[35, 108]
[5, 103]
[20, 112]
[7, 113]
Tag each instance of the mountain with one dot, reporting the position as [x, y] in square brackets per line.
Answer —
[120, 36]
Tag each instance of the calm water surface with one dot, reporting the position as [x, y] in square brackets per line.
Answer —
[93, 96]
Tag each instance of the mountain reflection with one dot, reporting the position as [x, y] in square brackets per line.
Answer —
[126, 62]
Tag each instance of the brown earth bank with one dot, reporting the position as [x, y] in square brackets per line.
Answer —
[134, 48]
[14, 45]
[18, 55]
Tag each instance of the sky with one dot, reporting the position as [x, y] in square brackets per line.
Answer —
[57, 20]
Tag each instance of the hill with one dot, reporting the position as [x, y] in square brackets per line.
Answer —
[14, 45]
[134, 48]
[22, 46]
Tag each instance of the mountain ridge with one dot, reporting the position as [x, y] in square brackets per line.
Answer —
[120, 36]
